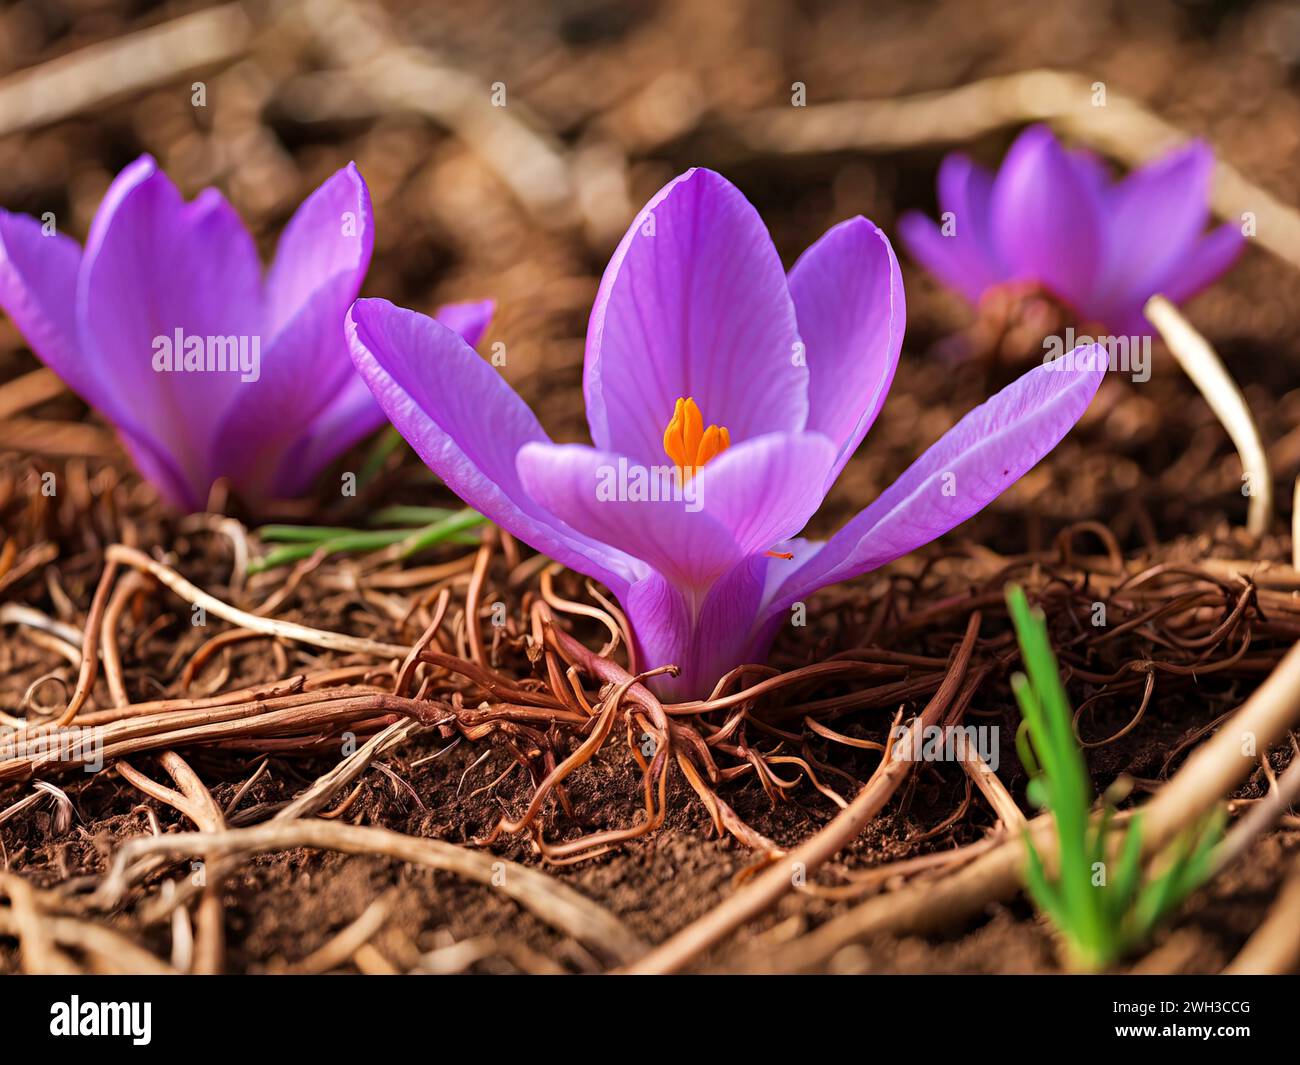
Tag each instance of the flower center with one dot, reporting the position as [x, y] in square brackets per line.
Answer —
[688, 443]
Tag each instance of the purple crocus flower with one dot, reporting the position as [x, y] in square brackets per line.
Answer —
[166, 293]
[738, 392]
[1055, 218]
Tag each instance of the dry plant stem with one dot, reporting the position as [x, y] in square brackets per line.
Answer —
[90, 646]
[1274, 947]
[28, 390]
[108, 951]
[779, 879]
[195, 801]
[326, 787]
[339, 950]
[387, 76]
[18, 614]
[121, 596]
[992, 788]
[40, 954]
[1208, 373]
[103, 72]
[554, 902]
[1262, 816]
[476, 650]
[1208, 775]
[307, 714]
[332, 641]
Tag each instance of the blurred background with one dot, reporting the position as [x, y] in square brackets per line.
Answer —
[604, 102]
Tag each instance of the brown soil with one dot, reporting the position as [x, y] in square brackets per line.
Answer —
[1149, 461]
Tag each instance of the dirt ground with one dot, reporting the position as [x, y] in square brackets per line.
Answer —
[625, 96]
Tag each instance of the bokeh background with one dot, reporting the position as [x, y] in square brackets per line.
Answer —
[605, 101]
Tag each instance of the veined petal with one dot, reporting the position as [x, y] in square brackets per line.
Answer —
[306, 372]
[694, 304]
[971, 465]
[353, 414]
[1047, 218]
[157, 269]
[1155, 216]
[468, 426]
[848, 295]
[326, 245]
[750, 497]
[705, 639]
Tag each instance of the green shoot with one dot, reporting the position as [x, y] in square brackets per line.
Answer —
[303, 541]
[1101, 901]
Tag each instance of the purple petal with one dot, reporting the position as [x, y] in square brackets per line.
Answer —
[325, 247]
[319, 266]
[353, 414]
[1047, 218]
[743, 502]
[470, 319]
[965, 260]
[1156, 216]
[468, 426]
[38, 290]
[693, 304]
[706, 642]
[155, 265]
[971, 465]
[848, 294]
[1211, 256]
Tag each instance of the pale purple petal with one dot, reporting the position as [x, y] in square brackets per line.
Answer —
[971, 465]
[1155, 217]
[319, 266]
[749, 498]
[964, 255]
[326, 246]
[705, 642]
[939, 255]
[966, 190]
[38, 290]
[467, 425]
[353, 414]
[848, 295]
[693, 304]
[153, 265]
[1209, 258]
[1047, 218]
[469, 319]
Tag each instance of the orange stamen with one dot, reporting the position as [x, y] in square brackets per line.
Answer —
[688, 443]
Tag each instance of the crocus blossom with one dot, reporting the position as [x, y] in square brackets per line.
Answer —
[1054, 217]
[723, 398]
[165, 324]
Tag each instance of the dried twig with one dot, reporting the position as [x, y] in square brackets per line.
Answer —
[1208, 373]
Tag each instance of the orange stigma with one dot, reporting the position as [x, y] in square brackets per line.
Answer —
[688, 443]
